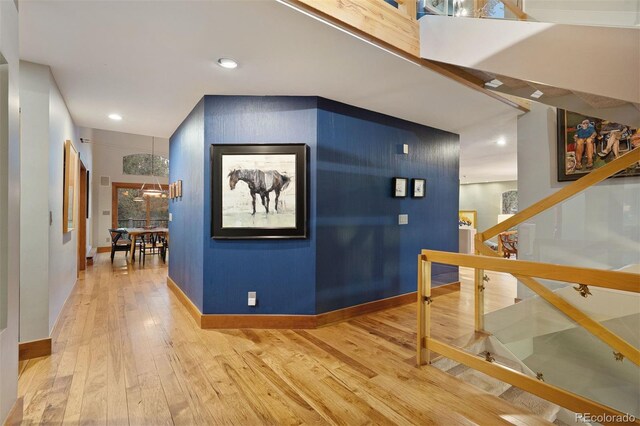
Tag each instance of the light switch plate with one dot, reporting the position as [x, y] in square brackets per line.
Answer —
[405, 148]
[170, 217]
[403, 219]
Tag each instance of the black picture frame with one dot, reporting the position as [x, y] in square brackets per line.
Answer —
[415, 185]
[220, 177]
[399, 187]
[566, 146]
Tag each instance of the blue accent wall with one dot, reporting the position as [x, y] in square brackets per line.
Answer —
[185, 229]
[356, 252]
[281, 271]
[362, 252]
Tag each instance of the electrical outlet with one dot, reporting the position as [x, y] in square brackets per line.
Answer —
[252, 298]
[403, 219]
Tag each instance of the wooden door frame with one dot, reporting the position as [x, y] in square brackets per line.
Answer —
[114, 198]
[82, 218]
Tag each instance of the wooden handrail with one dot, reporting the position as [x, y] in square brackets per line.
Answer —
[624, 281]
[513, 8]
[596, 176]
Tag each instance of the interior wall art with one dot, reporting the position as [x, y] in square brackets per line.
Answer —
[70, 184]
[587, 143]
[258, 191]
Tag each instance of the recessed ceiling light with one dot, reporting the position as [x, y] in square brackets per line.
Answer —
[501, 142]
[116, 117]
[536, 94]
[493, 83]
[227, 63]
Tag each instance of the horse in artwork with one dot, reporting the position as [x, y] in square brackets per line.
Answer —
[262, 183]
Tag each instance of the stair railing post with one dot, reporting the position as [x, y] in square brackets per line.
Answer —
[479, 299]
[424, 311]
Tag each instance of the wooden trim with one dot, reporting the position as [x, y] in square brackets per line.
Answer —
[357, 18]
[424, 311]
[215, 321]
[15, 415]
[105, 249]
[338, 315]
[114, 198]
[513, 8]
[624, 281]
[582, 319]
[559, 396]
[34, 349]
[594, 177]
[184, 299]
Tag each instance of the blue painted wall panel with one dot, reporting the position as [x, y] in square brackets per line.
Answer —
[185, 229]
[281, 271]
[362, 252]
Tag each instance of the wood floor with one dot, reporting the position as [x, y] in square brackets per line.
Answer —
[127, 352]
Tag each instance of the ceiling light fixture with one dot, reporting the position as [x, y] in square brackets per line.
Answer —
[537, 94]
[154, 190]
[495, 83]
[116, 117]
[501, 142]
[227, 63]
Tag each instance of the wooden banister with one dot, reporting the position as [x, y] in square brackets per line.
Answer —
[596, 176]
[513, 8]
[624, 281]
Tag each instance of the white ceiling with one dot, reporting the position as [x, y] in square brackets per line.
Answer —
[151, 61]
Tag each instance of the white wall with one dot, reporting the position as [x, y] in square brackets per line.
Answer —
[108, 149]
[49, 257]
[63, 248]
[618, 13]
[538, 52]
[486, 199]
[599, 228]
[34, 201]
[9, 209]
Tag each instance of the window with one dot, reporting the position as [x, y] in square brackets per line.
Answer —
[132, 210]
[143, 165]
[4, 142]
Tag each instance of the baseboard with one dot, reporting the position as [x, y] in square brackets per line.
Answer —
[34, 349]
[343, 314]
[441, 290]
[191, 308]
[104, 249]
[220, 321]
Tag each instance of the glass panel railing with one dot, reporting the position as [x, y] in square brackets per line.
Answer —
[546, 341]
[598, 228]
[492, 9]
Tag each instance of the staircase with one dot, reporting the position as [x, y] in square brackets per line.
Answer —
[482, 344]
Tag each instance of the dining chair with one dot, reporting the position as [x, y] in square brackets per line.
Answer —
[119, 242]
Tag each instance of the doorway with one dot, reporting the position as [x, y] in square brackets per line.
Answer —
[82, 218]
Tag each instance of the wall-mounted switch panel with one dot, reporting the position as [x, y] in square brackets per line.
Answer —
[405, 148]
[170, 217]
[403, 219]
[253, 298]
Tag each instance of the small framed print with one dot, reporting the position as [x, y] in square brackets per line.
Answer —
[179, 190]
[418, 187]
[400, 187]
[171, 191]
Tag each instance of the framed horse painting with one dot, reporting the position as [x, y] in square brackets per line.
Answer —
[258, 191]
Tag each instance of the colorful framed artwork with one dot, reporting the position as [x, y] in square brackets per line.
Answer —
[258, 191]
[399, 187]
[467, 219]
[587, 143]
[418, 188]
[71, 169]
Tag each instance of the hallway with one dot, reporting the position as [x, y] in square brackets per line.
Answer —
[127, 352]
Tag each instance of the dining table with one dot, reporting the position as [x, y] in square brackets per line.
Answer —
[134, 233]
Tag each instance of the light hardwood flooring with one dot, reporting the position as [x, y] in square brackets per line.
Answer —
[127, 352]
